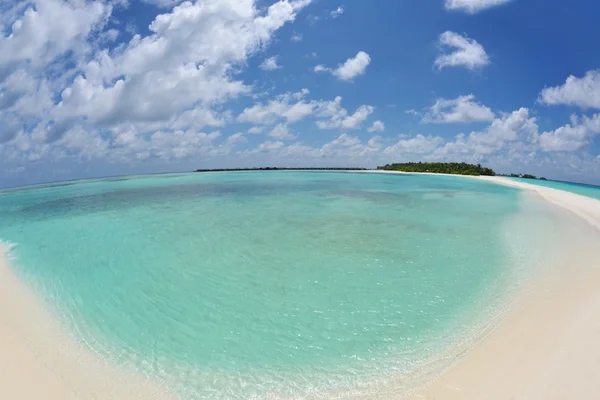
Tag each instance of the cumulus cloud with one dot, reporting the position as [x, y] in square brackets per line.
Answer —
[344, 148]
[158, 89]
[267, 147]
[460, 51]
[289, 106]
[177, 65]
[463, 109]
[227, 146]
[282, 132]
[378, 126]
[50, 29]
[270, 64]
[352, 68]
[417, 145]
[293, 107]
[571, 137]
[339, 118]
[582, 92]
[473, 6]
[511, 140]
[163, 3]
[256, 130]
[516, 127]
[296, 37]
[337, 12]
[74, 87]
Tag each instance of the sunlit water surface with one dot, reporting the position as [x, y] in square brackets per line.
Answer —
[234, 285]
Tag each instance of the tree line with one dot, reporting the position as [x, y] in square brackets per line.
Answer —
[440, 168]
[280, 169]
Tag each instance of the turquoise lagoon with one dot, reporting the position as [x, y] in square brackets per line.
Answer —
[255, 284]
[577, 188]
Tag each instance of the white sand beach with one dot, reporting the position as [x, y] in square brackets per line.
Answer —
[546, 348]
[40, 361]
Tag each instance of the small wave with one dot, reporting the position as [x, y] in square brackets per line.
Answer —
[7, 247]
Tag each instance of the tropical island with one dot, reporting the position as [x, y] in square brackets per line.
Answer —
[426, 167]
[526, 176]
[281, 169]
[440, 168]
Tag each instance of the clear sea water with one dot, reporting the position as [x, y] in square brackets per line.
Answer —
[578, 188]
[256, 284]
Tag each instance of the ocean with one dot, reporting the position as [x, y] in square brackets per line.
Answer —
[577, 188]
[280, 284]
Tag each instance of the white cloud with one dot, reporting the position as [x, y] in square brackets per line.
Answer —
[10, 129]
[339, 118]
[293, 107]
[417, 145]
[73, 86]
[473, 6]
[289, 106]
[572, 137]
[269, 146]
[228, 145]
[413, 112]
[344, 140]
[282, 132]
[378, 126]
[337, 12]
[352, 68]
[511, 142]
[195, 118]
[163, 3]
[175, 67]
[296, 37]
[583, 92]
[128, 145]
[50, 29]
[343, 149]
[463, 109]
[270, 64]
[149, 97]
[516, 127]
[256, 130]
[460, 51]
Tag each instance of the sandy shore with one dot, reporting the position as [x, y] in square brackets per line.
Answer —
[40, 361]
[547, 348]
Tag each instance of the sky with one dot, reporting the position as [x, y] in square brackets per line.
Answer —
[117, 87]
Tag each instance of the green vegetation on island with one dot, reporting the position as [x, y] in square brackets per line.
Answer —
[527, 176]
[282, 169]
[440, 168]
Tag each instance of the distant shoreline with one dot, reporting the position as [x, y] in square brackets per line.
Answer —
[280, 169]
[545, 349]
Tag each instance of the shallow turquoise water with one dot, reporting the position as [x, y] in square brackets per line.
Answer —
[578, 188]
[232, 285]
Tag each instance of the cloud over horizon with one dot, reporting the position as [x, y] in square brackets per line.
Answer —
[91, 88]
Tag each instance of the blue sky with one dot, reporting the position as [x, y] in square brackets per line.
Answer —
[122, 87]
